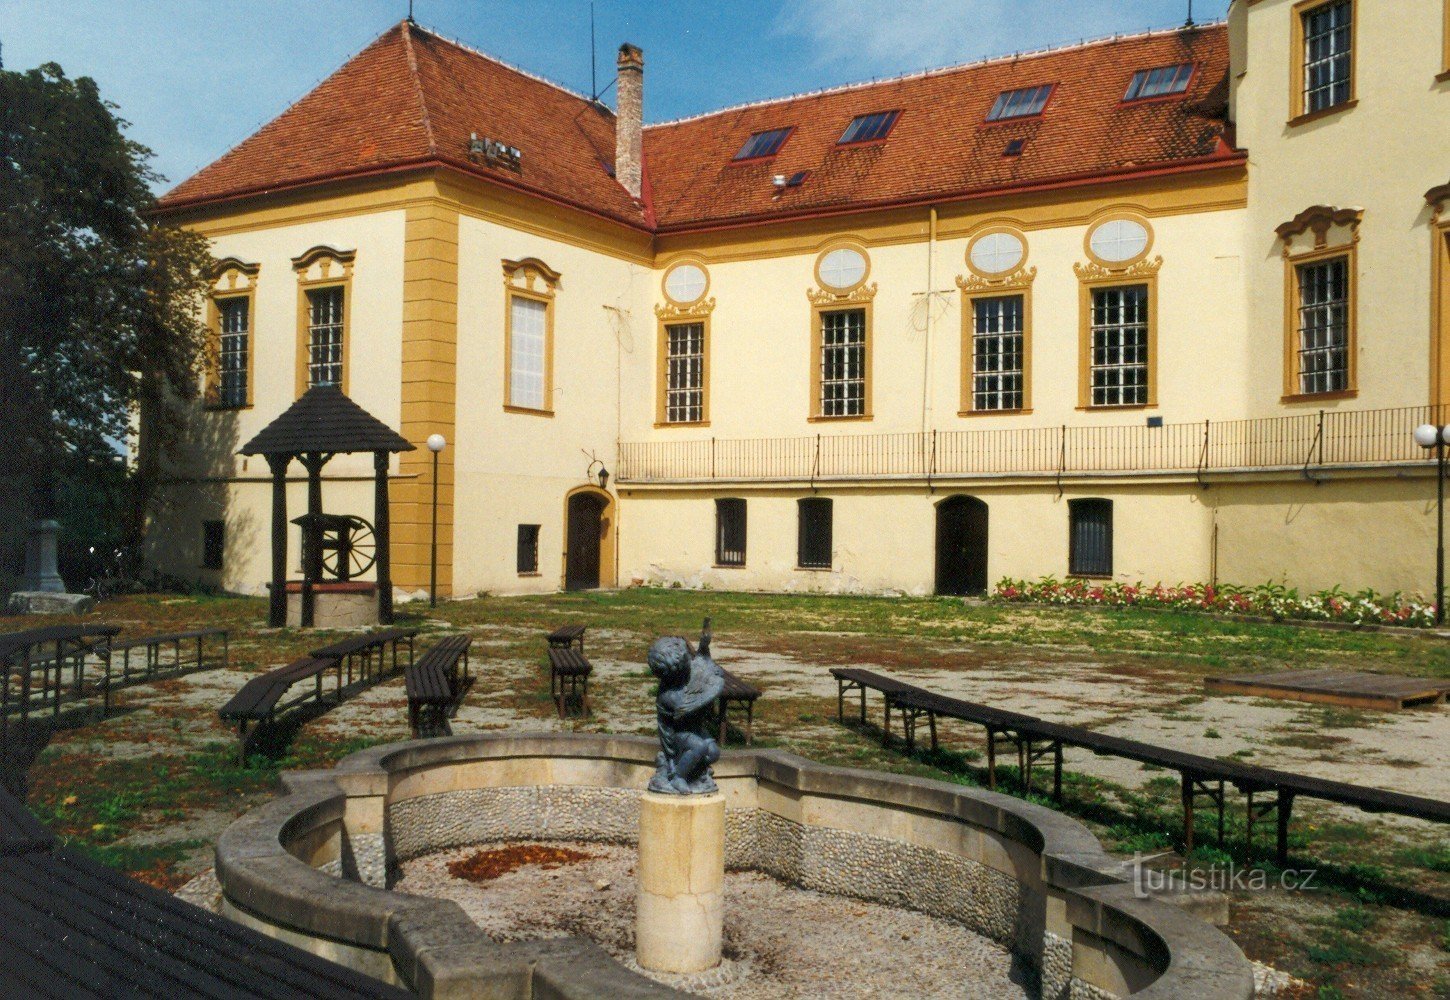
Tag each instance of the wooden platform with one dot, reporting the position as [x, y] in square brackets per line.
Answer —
[1336, 687]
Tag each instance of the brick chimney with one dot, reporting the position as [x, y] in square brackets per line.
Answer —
[629, 119]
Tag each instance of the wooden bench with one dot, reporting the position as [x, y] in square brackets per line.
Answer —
[569, 677]
[260, 699]
[852, 679]
[75, 928]
[152, 646]
[361, 649]
[435, 685]
[33, 665]
[1200, 777]
[567, 635]
[738, 692]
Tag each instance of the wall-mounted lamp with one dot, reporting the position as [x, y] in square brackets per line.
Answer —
[603, 478]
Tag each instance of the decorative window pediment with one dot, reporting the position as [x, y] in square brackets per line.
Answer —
[323, 263]
[531, 275]
[1321, 220]
[233, 275]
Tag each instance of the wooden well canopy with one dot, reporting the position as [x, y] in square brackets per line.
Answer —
[321, 424]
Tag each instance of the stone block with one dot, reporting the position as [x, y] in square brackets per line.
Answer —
[44, 602]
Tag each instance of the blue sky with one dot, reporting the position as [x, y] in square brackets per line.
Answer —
[195, 77]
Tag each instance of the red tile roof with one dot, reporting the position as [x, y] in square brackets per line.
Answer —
[412, 98]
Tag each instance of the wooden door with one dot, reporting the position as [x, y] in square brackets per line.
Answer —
[961, 546]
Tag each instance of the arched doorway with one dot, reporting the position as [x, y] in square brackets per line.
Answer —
[589, 539]
[961, 546]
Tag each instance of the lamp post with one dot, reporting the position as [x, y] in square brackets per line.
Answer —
[436, 443]
[1429, 436]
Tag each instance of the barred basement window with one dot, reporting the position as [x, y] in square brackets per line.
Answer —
[1119, 347]
[685, 373]
[997, 353]
[1324, 326]
[1090, 537]
[843, 363]
[528, 553]
[213, 544]
[235, 328]
[730, 532]
[324, 336]
[813, 541]
[1328, 55]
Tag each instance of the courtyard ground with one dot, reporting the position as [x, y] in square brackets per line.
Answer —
[149, 789]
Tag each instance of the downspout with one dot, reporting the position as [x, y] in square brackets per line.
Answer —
[926, 348]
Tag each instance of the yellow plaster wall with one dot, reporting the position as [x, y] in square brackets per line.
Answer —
[515, 468]
[1381, 155]
[885, 538]
[1349, 532]
[760, 354]
[236, 489]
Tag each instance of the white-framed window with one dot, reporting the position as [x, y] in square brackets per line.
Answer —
[1328, 55]
[1119, 346]
[684, 373]
[1323, 311]
[1023, 103]
[235, 327]
[843, 363]
[324, 335]
[997, 352]
[1161, 82]
[528, 352]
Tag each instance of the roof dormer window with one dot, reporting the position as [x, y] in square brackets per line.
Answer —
[763, 144]
[868, 128]
[1022, 103]
[1164, 81]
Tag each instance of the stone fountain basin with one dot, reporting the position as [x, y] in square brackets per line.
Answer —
[1016, 873]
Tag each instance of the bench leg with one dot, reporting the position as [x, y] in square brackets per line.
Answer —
[863, 705]
[991, 759]
[886, 727]
[724, 723]
[749, 723]
[931, 722]
[587, 710]
[1057, 772]
[840, 700]
[1187, 813]
[1286, 806]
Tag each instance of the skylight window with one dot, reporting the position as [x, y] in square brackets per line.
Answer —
[1160, 82]
[865, 128]
[1020, 103]
[763, 144]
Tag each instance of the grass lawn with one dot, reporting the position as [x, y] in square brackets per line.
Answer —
[149, 789]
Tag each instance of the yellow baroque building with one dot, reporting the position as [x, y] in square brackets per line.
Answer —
[1161, 307]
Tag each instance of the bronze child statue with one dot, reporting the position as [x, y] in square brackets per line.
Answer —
[690, 685]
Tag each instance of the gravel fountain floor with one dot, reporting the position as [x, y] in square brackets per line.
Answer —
[780, 941]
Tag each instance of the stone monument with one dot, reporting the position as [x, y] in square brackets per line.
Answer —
[42, 591]
[679, 914]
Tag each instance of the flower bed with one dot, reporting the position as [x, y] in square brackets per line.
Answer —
[1268, 600]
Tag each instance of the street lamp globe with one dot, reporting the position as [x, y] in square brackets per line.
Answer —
[1426, 436]
[436, 442]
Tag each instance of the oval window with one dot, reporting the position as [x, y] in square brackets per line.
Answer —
[842, 268]
[997, 253]
[686, 283]
[1118, 241]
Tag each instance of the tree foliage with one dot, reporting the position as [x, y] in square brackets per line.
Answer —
[99, 317]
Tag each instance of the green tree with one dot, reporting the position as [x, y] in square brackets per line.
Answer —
[99, 317]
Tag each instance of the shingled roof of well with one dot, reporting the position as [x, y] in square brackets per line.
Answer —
[324, 420]
[412, 98]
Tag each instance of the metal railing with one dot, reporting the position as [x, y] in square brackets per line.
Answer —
[1303, 441]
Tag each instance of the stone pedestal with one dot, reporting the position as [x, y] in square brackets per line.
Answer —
[680, 908]
[335, 604]
[41, 575]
